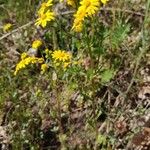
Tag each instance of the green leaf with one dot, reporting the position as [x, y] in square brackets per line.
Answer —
[119, 34]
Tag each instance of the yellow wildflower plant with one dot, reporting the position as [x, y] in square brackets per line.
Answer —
[7, 27]
[44, 18]
[44, 6]
[25, 61]
[87, 8]
[61, 55]
[36, 44]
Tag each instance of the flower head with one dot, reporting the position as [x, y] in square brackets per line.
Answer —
[36, 44]
[44, 18]
[92, 6]
[7, 27]
[45, 5]
[60, 55]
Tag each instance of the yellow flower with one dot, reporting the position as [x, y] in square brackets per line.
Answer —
[36, 44]
[25, 61]
[24, 55]
[61, 59]
[44, 18]
[81, 13]
[44, 67]
[79, 18]
[104, 1]
[7, 27]
[45, 5]
[87, 8]
[77, 25]
[92, 6]
[60, 55]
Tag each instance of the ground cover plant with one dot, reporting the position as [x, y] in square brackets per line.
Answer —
[74, 75]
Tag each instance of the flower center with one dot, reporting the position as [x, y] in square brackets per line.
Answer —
[44, 5]
[43, 16]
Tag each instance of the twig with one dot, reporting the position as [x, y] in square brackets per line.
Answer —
[123, 10]
[15, 30]
[135, 70]
[110, 9]
[102, 126]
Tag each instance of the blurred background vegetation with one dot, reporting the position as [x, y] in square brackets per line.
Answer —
[104, 103]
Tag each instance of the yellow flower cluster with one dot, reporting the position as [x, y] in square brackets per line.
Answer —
[26, 60]
[61, 57]
[44, 14]
[7, 27]
[87, 9]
